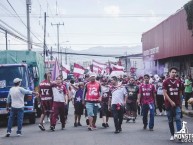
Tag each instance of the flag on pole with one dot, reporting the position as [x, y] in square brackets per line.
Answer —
[56, 70]
[65, 71]
[78, 70]
[117, 70]
[117, 67]
[98, 67]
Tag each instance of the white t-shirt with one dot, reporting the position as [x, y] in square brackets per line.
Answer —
[16, 94]
[118, 95]
[58, 95]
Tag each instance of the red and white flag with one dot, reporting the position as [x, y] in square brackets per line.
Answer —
[98, 67]
[65, 70]
[117, 70]
[56, 70]
[78, 70]
[117, 67]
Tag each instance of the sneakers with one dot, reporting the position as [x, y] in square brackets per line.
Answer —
[79, 124]
[107, 125]
[19, 134]
[151, 129]
[117, 131]
[160, 114]
[8, 134]
[172, 138]
[104, 125]
[41, 127]
[94, 127]
[52, 128]
[128, 119]
[90, 128]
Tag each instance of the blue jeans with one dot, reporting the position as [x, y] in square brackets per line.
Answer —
[15, 112]
[171, 113]
[145, 109]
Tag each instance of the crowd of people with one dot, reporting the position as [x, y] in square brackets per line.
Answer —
[118, 97]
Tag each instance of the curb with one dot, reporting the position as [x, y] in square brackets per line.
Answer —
[188, 113]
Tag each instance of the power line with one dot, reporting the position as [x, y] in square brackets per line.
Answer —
[95, 16]
[16, 36]
[22, 20]
[12, 28]
[86, 54]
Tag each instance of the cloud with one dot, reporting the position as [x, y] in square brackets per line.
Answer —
[99, 1]
[112, 10]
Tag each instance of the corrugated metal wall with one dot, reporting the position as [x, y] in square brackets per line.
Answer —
[171, 36]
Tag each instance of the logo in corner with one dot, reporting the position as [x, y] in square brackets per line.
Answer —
[183, 134]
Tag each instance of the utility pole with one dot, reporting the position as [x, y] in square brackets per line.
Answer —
[61, 55]
[6, 39]
[28, 5]
[45, 50]
[51, 57]
[65, 57]
[58, 24]
[126, 62]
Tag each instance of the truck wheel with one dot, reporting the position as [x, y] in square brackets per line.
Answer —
[32, 119]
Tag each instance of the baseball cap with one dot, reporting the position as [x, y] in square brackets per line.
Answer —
[92, 75]
[16, 80]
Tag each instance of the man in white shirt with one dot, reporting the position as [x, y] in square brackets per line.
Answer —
[117, 101]
[60, 99]
[16, 98]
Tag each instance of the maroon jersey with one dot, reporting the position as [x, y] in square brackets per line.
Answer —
[45, 90]
[147, 93]
[173, 88]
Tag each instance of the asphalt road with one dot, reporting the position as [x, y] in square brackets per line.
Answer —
[132, 134]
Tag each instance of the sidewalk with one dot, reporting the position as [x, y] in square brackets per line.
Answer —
[188, 112]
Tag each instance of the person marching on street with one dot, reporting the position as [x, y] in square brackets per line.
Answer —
[60, 99]
[46, 99]
[92, 96]
[78, 106]
[188, 90]
[160, 97]
[16, 98]
[105, 113]
[172, 91]
[131, 104]
[117, 103]
[147, 94]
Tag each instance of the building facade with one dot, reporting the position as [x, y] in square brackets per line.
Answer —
[168, 44]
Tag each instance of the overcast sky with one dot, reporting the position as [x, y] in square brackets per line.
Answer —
[87, 23]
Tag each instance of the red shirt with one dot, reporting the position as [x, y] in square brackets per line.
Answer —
[173, 88]
[147, 93]
[93, 90]
[45, 90]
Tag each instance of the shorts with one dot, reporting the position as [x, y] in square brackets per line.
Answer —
[92, 109]
[46, 106]
[78, 109]
[104, 109]
[131, 106]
